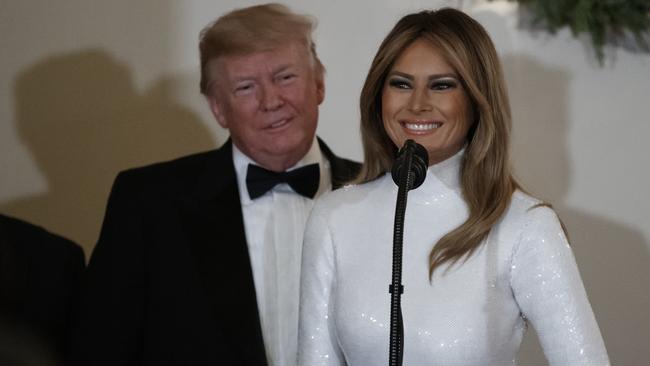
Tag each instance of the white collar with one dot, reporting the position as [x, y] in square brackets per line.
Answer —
[448, 170]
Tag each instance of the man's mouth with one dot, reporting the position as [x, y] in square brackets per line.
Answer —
[279, 123]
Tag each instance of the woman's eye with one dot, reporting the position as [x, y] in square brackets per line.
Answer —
[399, 84]
[443, 85]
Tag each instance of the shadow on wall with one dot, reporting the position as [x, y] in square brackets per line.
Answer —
[82, 119]
[613, 258]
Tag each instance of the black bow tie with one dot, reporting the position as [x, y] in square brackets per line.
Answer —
[304, 180]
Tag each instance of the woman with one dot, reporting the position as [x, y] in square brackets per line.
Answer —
[482, 259]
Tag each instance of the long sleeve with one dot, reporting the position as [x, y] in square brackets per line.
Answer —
[547, 286]
[317, 343]
[108, 324]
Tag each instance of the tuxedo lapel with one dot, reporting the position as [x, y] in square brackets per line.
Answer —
[213, 223]
[342, 170]
[212, 220]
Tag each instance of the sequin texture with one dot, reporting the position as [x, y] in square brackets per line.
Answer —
[470, 314]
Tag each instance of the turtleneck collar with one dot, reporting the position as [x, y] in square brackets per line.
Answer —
[445, 175]
[448, 171]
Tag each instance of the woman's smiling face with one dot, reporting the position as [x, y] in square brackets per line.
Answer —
[423, 99]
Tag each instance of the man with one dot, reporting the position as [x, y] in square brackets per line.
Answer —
[40, 273]
[198, 260]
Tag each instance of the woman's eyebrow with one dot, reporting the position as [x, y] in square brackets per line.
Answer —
[430, 77]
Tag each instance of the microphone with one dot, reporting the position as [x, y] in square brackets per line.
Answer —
[409, 172]
[418, 167]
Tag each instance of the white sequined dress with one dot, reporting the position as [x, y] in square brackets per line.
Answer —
[474, 313]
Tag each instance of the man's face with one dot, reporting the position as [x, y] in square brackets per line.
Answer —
[269, 101]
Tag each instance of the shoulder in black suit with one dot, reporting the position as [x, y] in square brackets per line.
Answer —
[170, 282]
[40, 273]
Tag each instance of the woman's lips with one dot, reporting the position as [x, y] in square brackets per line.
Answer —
[419, 127]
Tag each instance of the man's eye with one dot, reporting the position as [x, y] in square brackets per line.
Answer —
[243, 88]
[399, 84]
[286, 77]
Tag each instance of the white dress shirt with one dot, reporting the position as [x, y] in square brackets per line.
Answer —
[471, 314]
[274, 224]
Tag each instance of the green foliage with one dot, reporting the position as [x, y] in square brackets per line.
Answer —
[604, 20]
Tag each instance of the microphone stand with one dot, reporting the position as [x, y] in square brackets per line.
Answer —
[406, 179]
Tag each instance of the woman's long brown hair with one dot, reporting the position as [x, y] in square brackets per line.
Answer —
[486, 179]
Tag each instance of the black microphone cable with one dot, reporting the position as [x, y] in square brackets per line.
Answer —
[409, 172]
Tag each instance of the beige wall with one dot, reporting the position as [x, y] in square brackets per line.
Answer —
[88, 88]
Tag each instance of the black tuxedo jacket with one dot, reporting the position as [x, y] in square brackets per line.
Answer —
[170, 281]
[40, 273]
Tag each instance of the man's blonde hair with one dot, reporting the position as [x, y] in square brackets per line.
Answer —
[255, 29]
